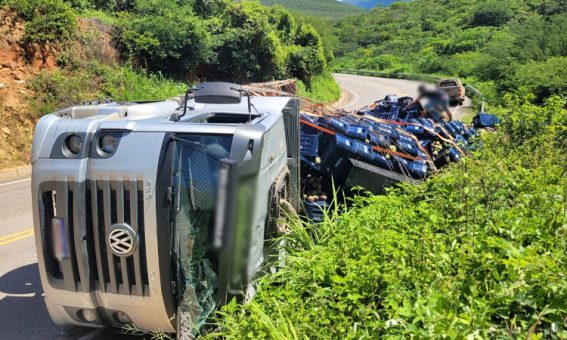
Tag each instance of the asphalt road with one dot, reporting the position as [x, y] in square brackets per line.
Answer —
[363, 90]
[23, 314]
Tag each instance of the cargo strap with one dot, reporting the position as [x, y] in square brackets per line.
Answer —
[375, 148]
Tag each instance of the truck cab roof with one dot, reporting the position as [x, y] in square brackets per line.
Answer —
[157, 116]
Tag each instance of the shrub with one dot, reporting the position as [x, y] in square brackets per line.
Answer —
[46, 20]
[174, 42]
[542, 79]
[492, 13]
[322, 88]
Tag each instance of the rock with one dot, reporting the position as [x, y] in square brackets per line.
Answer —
[2, 85]
[6, 131]
[20, 81]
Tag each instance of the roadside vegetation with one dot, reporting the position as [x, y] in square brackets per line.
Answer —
[477, 251]
[57, 53]
[165, 43]
[517, 46]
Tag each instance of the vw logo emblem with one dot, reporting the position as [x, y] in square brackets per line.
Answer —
[122, 240]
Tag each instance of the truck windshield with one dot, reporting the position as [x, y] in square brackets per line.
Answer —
[195, 170]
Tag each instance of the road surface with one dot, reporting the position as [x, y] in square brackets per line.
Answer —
[22, 312]
[363, 90]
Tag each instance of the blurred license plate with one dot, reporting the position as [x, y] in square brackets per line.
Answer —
[60, 238]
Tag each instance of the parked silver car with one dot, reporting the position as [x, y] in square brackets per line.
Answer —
[152, 214]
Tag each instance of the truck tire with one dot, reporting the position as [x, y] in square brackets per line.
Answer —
[276, 227]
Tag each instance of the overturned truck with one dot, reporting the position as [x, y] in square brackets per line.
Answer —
[149, 215]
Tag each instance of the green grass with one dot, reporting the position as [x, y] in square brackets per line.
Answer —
[57, 89]
[323, 89]
[478, 251]
[321, 8]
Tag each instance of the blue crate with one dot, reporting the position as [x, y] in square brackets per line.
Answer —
[386, 130]
[426, 122]
[473, 132]
[366, 152]
[338, 124]
[309, 118]
[356, 131]
[316, 210]
[460, 139]
[424, 143]
[454, 155]
[451, 129]
[418, 169]
[309, 144]
[382, 161]
[380, 140]
[460, 126]
[310, 163]
[346, 143]
[485, 120]
[401, 164]
[409, 148]
[415, 130]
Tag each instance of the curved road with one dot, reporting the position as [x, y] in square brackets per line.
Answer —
[363, 90]
[22, 312]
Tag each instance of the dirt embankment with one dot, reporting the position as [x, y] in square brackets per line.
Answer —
[18, 65]
[21, 63]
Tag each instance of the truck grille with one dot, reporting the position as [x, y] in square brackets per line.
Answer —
[89, 210]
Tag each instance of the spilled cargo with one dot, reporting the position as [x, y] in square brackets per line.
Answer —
[384, 143]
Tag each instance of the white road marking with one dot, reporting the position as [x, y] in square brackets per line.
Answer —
[354, 94]
[14, 182]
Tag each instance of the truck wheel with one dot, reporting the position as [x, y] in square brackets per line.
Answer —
[276, 224]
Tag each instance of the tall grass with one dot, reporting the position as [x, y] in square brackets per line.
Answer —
[124, 83]
[57, 89]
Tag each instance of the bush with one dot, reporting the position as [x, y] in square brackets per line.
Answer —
[492, 13]
[171, 41]
[322, 88]
[47, 21]
[542, 79]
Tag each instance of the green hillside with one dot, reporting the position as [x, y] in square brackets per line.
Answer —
[514, 46]
[322, 8]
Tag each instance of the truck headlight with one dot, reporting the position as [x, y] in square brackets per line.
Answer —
[74, 143]
[108, 144]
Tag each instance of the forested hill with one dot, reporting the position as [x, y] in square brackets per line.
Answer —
[368, 3]
[517, 46]
[322, 8]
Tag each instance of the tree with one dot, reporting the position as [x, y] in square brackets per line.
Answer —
[175, 42]
[492, 13]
